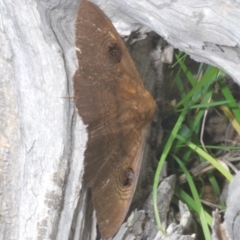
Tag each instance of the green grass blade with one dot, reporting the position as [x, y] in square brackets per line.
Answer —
[162, 160]
[191, 203]
[199, 206]
[233, 105]
[197, 87]
[207, 157]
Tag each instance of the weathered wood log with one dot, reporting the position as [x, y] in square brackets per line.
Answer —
[42, 139]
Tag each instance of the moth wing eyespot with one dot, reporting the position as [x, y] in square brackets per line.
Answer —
[114, 53]
[128, 177]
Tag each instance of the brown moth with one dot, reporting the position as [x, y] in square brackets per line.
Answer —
[113, 103]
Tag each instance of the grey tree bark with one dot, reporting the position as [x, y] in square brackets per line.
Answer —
[42, 139]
